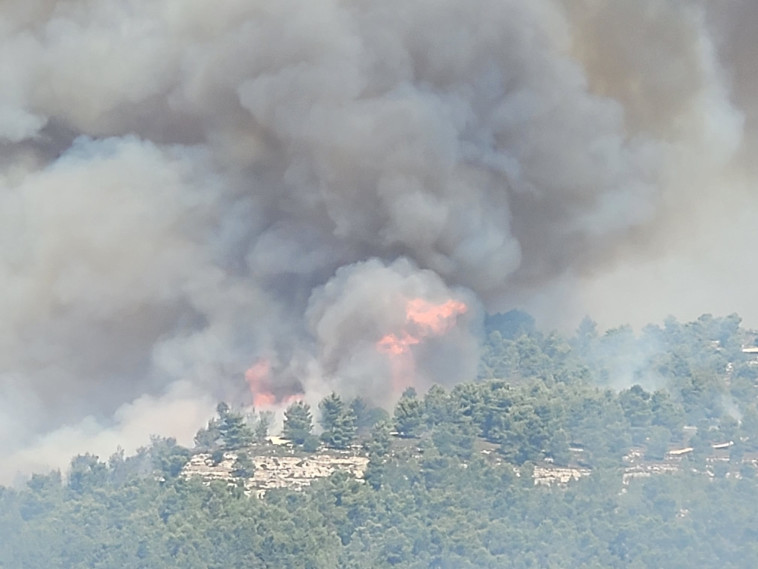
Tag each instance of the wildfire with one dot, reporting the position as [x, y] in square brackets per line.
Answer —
[265, 393]
[258, 378]
[423, 319]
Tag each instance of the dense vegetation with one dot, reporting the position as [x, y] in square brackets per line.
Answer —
[449, 479]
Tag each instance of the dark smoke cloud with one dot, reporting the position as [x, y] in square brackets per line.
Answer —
[186, 188]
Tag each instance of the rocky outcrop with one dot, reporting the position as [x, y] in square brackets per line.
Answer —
[550, 475]
[286, 471]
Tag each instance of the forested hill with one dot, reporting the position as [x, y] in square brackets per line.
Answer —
[701, 374]
[449, 478]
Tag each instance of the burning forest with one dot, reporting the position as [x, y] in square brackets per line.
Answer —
[263, 202]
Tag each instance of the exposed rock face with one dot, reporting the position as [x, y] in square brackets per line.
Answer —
[549, 475]
[275, 471]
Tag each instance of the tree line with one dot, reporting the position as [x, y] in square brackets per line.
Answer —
[448, 483]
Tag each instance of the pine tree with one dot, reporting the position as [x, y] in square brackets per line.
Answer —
[235, 433]
[208, 437]
[298, 422]
[436, 406]
[331, 408]
[381, 439]
[338, 422]
[409, 413]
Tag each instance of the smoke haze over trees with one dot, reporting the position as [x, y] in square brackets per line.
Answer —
[460, 487]
[330, 195]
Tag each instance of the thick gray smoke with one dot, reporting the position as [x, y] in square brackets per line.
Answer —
[190, 188]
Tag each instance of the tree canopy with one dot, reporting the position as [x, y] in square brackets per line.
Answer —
[454, 486]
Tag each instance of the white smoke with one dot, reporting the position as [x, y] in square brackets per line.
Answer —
[364, 302]
[186, 188]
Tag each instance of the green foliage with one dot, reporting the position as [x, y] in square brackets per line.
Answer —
[426, 512]
[437, 406]
[379, 442]
[167, 457]
[338, 422]
[657, 443]
[512, 324]
[451, 439]
[209, 436]
[637, 406]
[408, 414]
[232, 428]
[86, 472]
[243, 466]
[227, 430]
[298, 422]
[445, 492]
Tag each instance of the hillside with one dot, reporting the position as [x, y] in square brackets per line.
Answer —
[272, 470]
[538, 463]
[275, 467]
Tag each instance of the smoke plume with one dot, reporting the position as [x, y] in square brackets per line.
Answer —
[198, 200]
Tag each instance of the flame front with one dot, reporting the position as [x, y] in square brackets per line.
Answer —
[423, 319]
[258, 378]
[266, 392]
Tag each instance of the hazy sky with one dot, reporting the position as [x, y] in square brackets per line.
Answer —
[189, 189]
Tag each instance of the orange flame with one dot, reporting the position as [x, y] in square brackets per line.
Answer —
[257, 377]
[423, 319]
[263, 389]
